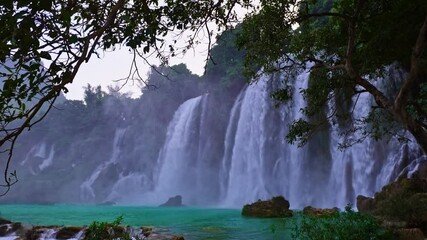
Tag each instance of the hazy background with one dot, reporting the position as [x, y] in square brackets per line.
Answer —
[114, 65]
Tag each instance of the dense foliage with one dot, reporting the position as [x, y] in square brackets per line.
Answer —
[347, 45]
[347, 225]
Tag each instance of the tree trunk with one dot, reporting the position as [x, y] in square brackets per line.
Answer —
[419, 133]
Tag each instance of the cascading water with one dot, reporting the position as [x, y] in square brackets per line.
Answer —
[229, 145]
[257, 163]
[86, 191]
[177, 160]
[186, 164]
[218, 153]
[317, 174]
[353, 169]
[245, 177]
[38, 158]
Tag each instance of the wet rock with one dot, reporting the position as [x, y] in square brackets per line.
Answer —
[9, 228]
[320, 212]
[4, 221]
[173, 202]
[68, 232]
[34, 233]
[177, 238]
[4, 230]
[19, 229]
[277, 207]
[16, 226]
[146, 231]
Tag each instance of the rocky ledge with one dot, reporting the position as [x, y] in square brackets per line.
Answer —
[320, 212]
[277, 207]
[400, 206]
[19, 231]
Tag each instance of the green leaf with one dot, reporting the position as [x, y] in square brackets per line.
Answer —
[45, 55]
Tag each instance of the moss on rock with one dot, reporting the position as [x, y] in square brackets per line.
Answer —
[277, 207]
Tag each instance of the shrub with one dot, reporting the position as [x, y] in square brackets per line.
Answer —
[348, 225]
[106, 231]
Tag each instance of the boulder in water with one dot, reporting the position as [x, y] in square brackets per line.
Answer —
[277, 207]
[173, 202]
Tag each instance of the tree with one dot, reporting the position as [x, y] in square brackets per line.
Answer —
[345, 44]
[226, 60]
[44, 43]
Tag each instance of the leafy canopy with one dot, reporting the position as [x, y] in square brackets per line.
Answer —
[346, 44]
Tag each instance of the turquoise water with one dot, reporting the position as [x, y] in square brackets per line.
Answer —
[192, 223]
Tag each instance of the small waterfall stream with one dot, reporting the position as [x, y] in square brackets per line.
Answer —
[86, 191]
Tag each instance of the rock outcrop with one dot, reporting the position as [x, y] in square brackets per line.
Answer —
[28, 232]
[7, 227]
[68, 232]
[173, 202]
[320, 212]
[400, 206]
[277, 207]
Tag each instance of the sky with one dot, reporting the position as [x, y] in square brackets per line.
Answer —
[114, 65]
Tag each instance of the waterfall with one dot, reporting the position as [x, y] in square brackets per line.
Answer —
[126, 189]
[177, 160]
[229, 145]
[86, 189]
[220, 149]
[352, 168]
[38, 158]
[48, 161]
[259, 164]
[256, 161]
[245, 179]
